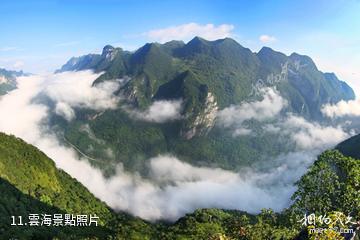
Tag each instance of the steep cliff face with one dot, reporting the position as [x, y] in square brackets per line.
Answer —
[204, 119]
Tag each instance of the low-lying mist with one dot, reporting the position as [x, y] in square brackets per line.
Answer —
[174, 188]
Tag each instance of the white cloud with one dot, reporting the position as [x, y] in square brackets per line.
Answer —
[304, 134]
[69, 90]
[18, 64]
[187, 31]
[168, 169]
[14, 63]
[7, 49]
[173, 188]
[74, 89]
[309, 135]
[177, 188]
[159, 111]
[241, 132]
[267, 38]
[22, 118]
[64, 110]
[267, 108]
[343, 108]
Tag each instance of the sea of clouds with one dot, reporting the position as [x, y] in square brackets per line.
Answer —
[174, 187]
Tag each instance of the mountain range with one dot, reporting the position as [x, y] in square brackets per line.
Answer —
[208, 77]
[230, 72]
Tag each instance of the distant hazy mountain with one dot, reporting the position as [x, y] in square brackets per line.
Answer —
[8, 80]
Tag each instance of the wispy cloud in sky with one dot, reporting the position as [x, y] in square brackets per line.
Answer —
[189, 30]
[8, 49]
[12, 64]
[18, 64]
[66, 44]
[267, 38]
[332, 21]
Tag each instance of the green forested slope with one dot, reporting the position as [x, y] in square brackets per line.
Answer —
[15, 203]
[331, 184]
[30, 183]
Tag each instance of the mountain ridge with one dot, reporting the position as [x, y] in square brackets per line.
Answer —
[207, 76]
[236, 58]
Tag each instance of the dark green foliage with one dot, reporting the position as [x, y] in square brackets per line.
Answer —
[31, 183]
[227, 68]
[34, 174]
[271, 60]
[134, 141]
[224, 224]
[331, 184]
[15, 203]
[187, 87]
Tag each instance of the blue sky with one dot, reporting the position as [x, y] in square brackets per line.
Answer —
[39, 36]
